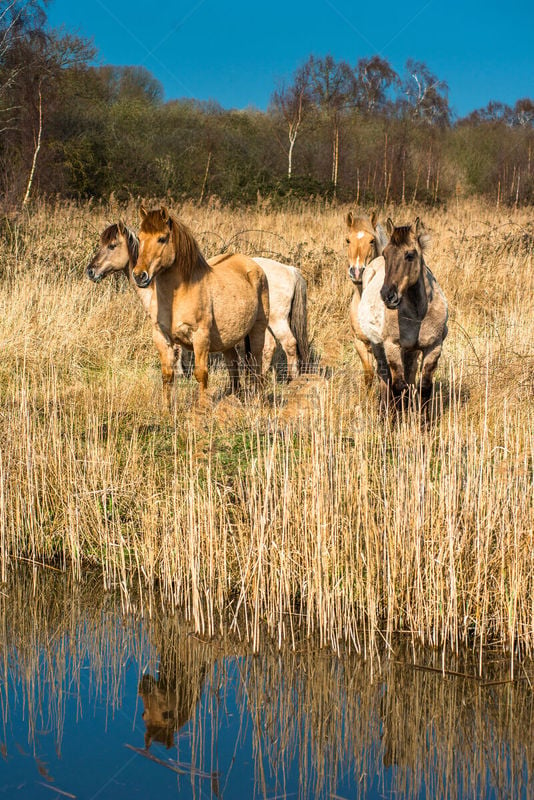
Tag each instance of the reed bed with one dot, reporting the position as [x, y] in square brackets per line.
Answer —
[307, 511]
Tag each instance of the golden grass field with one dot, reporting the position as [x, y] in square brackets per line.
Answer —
[308, 510]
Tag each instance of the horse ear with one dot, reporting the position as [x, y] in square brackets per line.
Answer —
[165, 216]
[390, 227]
[374, 218]
[423, 236]
[121, 226]
[143, 211]
[350, 219]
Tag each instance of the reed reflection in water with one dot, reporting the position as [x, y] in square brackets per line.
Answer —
[99, 704]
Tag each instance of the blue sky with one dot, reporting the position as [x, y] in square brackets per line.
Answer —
[235, 52]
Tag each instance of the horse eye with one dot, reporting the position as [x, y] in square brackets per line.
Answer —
[112, 246]
[347, 241]
[163, 239]
[410, 255]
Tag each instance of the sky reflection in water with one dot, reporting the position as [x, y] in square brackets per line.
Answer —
[100, 705]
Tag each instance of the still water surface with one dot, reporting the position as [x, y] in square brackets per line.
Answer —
[100, 704]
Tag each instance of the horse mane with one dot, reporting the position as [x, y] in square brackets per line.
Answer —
[188, 254]
[402, 235]
[405, 234]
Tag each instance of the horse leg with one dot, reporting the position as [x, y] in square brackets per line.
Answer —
[268, 351]
[168, 360]
[201, 350]
[256, 337]
[366, 357]
[232, 362]
[394, 356]
[410, 361]
[187, 362]
[430, 362]
[285, 336]
[384, 375]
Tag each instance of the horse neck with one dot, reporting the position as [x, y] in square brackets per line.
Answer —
[358, 289]
[187, 270]
[417, 293]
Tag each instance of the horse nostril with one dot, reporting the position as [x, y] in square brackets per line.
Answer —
[389, 295]
[90, 272]
[142, 279]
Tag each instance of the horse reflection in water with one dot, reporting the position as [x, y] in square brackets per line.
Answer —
[170, 700]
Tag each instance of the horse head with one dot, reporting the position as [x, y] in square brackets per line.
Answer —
[115, 249]
[364, 243]
[159, 711]
[156, 245]
[404, 259]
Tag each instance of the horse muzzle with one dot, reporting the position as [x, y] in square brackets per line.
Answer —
[143, 280]
[93, 275]
[356, 274]
[391, 297]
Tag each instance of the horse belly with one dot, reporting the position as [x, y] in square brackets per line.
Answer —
[233, 317]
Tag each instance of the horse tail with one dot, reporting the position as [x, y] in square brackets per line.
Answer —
[247, 346]
[298, 320]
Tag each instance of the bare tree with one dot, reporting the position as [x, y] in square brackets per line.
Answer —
[291, 102]
[332, 88]
[522, 113]
[375, 77]
[426, 95]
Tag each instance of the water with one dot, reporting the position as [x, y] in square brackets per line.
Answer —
[97, 704]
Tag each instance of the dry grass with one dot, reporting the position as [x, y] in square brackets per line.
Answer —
[307, 511]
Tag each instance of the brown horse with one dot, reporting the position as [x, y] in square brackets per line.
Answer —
[366, 240]
[403, 312]
[207, 308]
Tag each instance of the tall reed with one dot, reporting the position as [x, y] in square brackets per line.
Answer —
[309, 510]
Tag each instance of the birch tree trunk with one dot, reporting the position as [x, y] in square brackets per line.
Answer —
[35, 153]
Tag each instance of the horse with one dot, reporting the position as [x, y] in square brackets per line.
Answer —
[207, 308]
[117, 252]
[403, 312]
[366, 240]
[171, 696]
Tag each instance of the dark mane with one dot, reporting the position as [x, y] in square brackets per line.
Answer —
[402, 235]
[188, 255]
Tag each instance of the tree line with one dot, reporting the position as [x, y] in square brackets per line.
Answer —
[361, 133]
